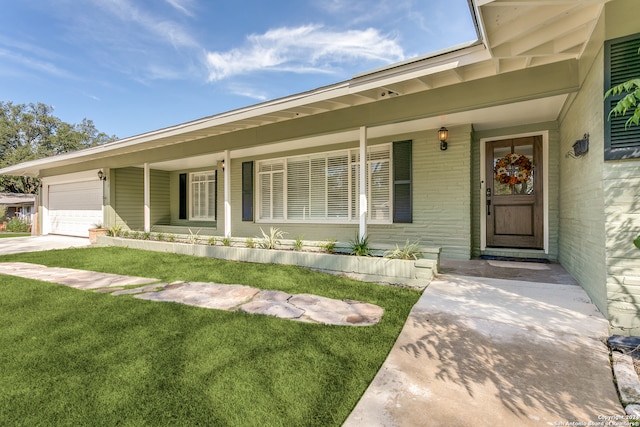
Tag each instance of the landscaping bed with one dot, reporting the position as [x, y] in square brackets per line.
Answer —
[416, 273]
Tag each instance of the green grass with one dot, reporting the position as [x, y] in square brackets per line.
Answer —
[70, 357]
[6, 235]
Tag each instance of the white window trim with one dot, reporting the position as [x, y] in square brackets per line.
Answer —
[353, 216]
[190, 201]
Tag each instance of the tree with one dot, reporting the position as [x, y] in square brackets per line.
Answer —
[31, 131]
[631, 100]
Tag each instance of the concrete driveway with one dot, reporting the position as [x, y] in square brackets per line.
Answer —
[40, 243]
[479, 351]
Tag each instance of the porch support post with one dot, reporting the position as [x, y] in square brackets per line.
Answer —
[362, 230]
[227, 193]
[147, 198]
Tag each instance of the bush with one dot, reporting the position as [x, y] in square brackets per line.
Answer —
[299, 243]
[271, 240]
[328, 245]
[3, 213]
[409, 251]
[115, 231]
[360, 246]
[18, 225]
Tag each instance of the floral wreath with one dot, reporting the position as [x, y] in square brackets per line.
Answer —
[513, 169]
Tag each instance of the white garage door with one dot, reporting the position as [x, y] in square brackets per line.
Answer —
[75, 207]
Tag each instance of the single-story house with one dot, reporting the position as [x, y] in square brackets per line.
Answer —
[16, 204]
[498, 147]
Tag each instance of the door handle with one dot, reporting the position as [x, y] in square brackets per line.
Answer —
[488, 207]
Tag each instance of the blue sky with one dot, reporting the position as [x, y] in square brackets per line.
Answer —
[134, 66]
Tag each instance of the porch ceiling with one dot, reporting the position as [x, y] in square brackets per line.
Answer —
[535, 32]
[514, 114]
[516, 34]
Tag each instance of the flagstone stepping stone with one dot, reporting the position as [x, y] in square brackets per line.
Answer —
[210, 295]
[302, 307]
[79, 279]
[273, 303]
[334, 312]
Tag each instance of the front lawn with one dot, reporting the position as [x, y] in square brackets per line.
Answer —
[70, 357]
[5, 235]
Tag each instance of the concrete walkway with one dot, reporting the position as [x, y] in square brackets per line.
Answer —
[18, 245]
[478, 351]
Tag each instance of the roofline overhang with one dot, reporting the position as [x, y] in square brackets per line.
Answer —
[451, 58]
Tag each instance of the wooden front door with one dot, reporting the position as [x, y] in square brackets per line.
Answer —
[514, 210]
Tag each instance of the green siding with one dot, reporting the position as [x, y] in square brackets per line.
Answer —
[622, 216]
[441, 188]
[129, 197]
[582, 221]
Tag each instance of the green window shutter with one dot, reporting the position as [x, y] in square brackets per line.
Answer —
[622, 63]
[215, 194]
[247, 191]
[402, 188]
[183, 196]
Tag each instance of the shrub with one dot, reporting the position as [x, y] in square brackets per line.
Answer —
[135, 234]
[271, 240]
[360, 246]
[146, 236]
[18, 225]
[3, 213]
[226, 241]
[328, 245]
[126, 234]
[298, 243]
[409, 251]
[192, 238]
[212, 241]
[160, 237]
[171, 237]
[250, 243]
[115, 231]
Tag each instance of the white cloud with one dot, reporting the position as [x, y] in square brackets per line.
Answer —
[34, 64]
[182, 5]
[161, 29]
[304, 49]
[248, 92]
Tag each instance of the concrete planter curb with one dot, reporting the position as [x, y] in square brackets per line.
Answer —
[416, 274]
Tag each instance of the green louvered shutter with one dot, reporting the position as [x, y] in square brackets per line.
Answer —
[402, 198]
[182, 214]
[622, 63]
[247, 191]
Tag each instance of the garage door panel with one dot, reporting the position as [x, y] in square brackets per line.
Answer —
[75, 207]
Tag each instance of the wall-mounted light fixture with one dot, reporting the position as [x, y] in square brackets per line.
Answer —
[222, 164]
[580, 147]
[443, 135]
[102, 176]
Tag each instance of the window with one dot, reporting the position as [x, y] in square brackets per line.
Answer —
[324, 187]
[622, 63]
[203, 195]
